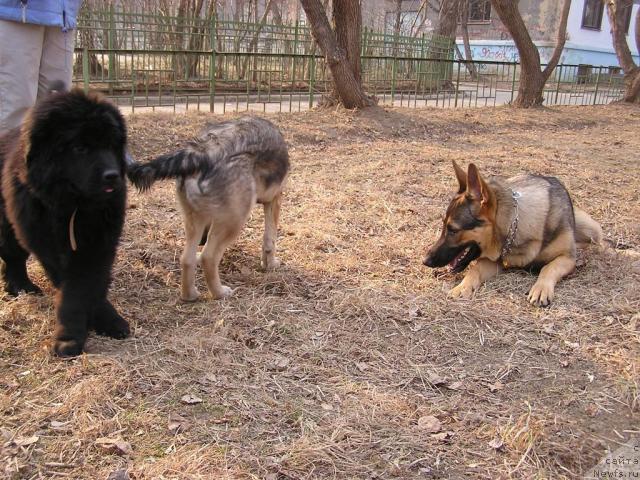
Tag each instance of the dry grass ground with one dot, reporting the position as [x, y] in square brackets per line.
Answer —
[333, 366]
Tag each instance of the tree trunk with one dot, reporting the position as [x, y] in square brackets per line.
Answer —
[253, 44]
[396, 27]
[448, 18]
[560, 41]
[464, 17]
[347, 86]
[532, 79]
[616, 10]
[348, 28]
[441, 69]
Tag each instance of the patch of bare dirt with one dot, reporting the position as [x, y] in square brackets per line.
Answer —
[349, 361]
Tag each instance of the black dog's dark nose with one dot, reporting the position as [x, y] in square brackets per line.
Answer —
[428, 261]
[110, 175]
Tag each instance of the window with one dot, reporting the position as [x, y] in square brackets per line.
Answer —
[592, 14]
[480, 10]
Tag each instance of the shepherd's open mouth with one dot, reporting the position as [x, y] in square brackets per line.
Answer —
[464, 258]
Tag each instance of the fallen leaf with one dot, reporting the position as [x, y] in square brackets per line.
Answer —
[281, 363]
[362, 366]
[496, 443]
[573, 345]
[119, 475]
[177, 423]
[455, 385]
[441, 436]
[434, 379]
[494, 387]
[190, 399]
[25, 441]
[326, 406]
[430, 424]
[116, 445]
[58, 425]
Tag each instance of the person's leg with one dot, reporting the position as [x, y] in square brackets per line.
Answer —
[56, 63]
[20, 53]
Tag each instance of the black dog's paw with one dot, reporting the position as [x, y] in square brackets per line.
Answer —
[67, 348]
[115, 327]
[107, 322]
[15, 288]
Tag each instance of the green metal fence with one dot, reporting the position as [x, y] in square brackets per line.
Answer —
[145, 61]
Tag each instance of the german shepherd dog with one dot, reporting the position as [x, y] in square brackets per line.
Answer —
[220, 176]
[63, 199]
[527, 221]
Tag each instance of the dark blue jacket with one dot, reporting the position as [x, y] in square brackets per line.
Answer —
[54, 13]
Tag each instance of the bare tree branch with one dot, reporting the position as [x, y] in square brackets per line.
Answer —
[560, 41]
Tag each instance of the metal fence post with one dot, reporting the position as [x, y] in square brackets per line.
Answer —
[212, 65]
[455, 102]
[595, 93]
[394, 70]
[559, 70]
[513, 80]
[85, 68]
[111, 45]
[312, 78]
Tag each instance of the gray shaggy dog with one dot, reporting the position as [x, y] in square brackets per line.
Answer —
[220, 176]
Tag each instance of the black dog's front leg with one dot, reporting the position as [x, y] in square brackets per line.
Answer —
[14, 270]
[83, 305]
[73, 314]
[107, 321]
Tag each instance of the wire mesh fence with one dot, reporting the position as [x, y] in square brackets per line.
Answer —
[144, 61]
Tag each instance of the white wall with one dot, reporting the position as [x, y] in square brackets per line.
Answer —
[598, 40]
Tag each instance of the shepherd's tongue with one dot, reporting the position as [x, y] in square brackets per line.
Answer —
[454, 263]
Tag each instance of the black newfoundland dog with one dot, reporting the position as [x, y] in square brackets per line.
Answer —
[63, 199]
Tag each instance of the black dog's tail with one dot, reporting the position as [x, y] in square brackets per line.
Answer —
[183, 163]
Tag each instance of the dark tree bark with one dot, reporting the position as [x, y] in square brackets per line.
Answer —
[616, 10]
[253, 44]
[448, 18]
[442, 68]
[464, 17]
[396, 27]
[348, 36]
[532, 79]
[340, 48]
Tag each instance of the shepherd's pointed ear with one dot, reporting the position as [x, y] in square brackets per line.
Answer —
[476, 188]
[461, 176]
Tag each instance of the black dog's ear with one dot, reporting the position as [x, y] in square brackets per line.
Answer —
[41, 167]
[461, 176]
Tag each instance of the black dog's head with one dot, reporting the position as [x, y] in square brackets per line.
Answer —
[75, 145]
[468, 226]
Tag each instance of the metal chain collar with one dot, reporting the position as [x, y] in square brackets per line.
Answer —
[513, 228]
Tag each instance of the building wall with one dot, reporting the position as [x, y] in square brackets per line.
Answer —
[540, 16]
[597, 41]
[583, 46]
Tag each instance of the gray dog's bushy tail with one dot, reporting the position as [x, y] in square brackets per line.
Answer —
[252, 136]
[182, 163]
